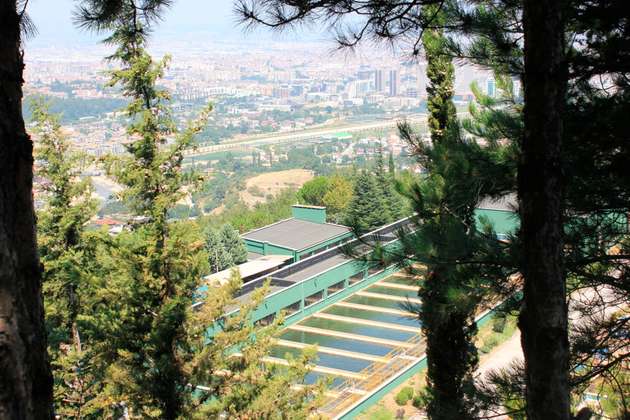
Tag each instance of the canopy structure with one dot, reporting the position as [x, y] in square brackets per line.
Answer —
[249, 269]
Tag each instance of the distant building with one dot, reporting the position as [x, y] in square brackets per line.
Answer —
[301, 236]
[393, 82]
[378, 80]
[114, 226]
[364, 74]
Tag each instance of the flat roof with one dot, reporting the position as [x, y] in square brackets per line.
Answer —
[296, 234]
[508, 202]
[249, 268]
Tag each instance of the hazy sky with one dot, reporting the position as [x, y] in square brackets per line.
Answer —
[53, 19]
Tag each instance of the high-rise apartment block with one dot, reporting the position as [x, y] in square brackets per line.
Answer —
[378, 80]
[394, 82]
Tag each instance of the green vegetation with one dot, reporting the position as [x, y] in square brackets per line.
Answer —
[233, 244]
[123, 336]
[72, 109]
[225, 248]
[404, 395]
[245, 218]
[150, 272]
[381, 413]
[252, 389]
[447, 238]
[496, 332]
[67, 252]
[337, 198]
[313, 191]
[368, 208]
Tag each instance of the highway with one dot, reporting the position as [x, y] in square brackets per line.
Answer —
[309, 134]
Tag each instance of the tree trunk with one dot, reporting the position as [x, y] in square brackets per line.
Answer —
[25, 378]
[543, 319]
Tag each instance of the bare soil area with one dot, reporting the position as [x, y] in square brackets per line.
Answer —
[259, 187]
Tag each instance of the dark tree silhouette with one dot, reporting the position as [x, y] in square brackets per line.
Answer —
[25, 378]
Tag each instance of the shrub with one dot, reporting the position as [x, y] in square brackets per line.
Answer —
[419, 400]
[498, 323]
[404, 395]
[489, 343]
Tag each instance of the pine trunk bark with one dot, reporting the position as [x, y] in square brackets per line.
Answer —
[25, 378]
[543, 320]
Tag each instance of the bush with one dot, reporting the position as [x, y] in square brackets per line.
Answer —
[419, 401]
[498, 324]
[404, 395]
[489, 343]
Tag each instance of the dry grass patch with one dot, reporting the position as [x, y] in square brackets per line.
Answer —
[259, 187]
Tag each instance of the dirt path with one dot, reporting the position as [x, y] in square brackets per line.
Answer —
[502, 355]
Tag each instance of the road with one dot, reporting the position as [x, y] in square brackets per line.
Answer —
[279, 138]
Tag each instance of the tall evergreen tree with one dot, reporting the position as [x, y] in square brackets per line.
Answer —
[386, 183]
[544, 318]
[595, 194]
[368, 208]
[218, 257]
[69, 206]
[25, 378]
[154, 270]
[67, 255]
[391, 166]
[447, 236]
[233, 244]
[150, 340]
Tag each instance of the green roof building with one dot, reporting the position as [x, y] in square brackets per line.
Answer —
[301, 236]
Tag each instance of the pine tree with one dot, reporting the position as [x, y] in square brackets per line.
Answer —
[218, 257]
[368, 208]
[151, 273]
[386, 184]
[445, 201]
[233, 244]
[67, 254]
[391, 165]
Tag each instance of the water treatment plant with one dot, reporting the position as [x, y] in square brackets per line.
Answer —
[360, 314]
